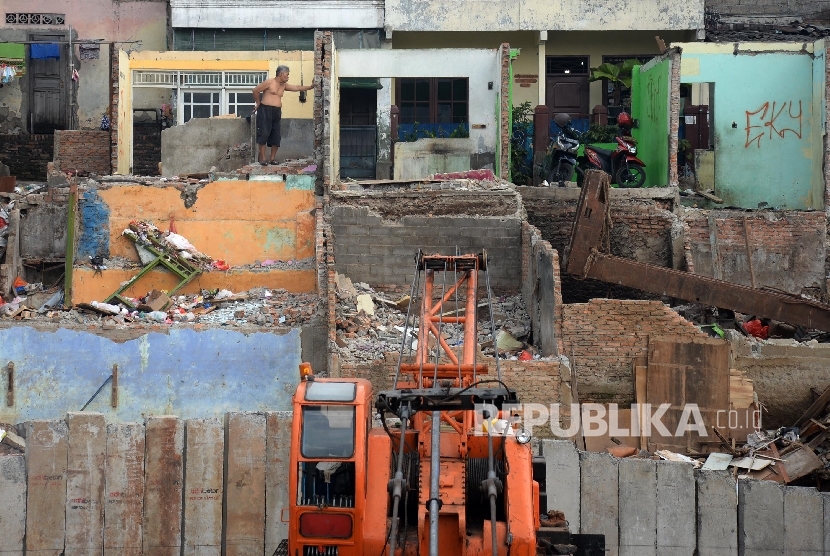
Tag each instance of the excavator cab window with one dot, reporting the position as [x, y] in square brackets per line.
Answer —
[327, 484]
[328, 431]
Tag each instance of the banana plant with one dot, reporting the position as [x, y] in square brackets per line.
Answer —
[619, 74]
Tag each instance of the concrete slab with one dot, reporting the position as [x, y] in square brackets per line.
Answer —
[803, 521]
[277, 454]
[562, 479]
[760, 518]
[87, 454]
[826, 498]
[638, 507]
[163, 491]
[717, 514]
[676, 528]
[12, 504]
[204, 468]
[600, 503]
[46, 453]
[124, 476]
[245, 484]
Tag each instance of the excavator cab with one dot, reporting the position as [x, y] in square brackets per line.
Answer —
[328, 482]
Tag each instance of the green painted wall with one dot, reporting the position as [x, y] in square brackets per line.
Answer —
[650, 106]
[768, 114]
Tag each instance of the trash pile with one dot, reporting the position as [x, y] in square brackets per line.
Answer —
[369, 325]
[715, 321]
[258, 307]
[147, 237]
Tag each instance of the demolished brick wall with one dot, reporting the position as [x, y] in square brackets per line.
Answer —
[376, 236]
[83, 151]
[146, 148]
[27, 155]
[542, 289]
[604, 336]
[113, 111]
[788, 248]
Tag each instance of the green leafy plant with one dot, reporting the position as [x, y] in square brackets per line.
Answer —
[618, 74]
[600, 134]
[461, 132]
[519, 152]
[684, 146]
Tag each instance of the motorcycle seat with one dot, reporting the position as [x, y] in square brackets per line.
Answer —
[604, 152]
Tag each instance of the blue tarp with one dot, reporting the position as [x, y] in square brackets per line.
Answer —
[44, 51]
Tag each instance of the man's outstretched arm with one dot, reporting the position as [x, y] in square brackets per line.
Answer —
[289, 87]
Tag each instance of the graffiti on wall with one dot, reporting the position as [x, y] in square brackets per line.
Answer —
[653, 107]
[773, 120]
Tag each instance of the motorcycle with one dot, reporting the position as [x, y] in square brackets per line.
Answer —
[563, 152]
[622, 164]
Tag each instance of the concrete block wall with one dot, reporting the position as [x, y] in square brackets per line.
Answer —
[646, 507]
[376, 236]
[788, 247]
[603, 337]
[541, 289]
[27, 155]
[164, 487]
[83, 151]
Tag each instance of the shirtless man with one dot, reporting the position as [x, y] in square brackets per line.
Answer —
[269, 111]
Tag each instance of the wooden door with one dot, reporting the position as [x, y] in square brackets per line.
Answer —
[566, 85]
[48, 89]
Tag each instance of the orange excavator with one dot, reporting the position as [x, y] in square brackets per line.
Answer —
[445, 473]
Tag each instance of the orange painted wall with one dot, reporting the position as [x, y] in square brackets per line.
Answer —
[239, 221]
[88, 287]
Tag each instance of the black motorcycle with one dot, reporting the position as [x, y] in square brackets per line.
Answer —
[562, 152]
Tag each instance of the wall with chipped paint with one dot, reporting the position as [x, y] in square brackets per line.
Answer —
[141, 24]
[480, 66]
[238, 221]
[555, 15]
[650, 106]
[179, 371]
[768, 120]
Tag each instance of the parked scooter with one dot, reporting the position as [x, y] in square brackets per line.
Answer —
[562, 150]
[622, 164]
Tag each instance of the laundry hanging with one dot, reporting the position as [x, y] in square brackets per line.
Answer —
[44, 51]
[14, 55]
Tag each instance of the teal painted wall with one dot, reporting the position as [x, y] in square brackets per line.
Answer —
[765, 121]
[650, 106]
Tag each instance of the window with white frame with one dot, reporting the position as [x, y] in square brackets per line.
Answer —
[205, 94]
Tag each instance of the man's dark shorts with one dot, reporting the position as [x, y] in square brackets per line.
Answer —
[268, 120]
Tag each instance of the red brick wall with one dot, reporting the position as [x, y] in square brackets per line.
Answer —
[83, 151]
[602, 337]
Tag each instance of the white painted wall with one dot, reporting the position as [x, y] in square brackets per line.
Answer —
[480, 66]
[541, 15]
[277, 14]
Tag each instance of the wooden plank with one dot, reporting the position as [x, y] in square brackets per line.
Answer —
[12, 504]
[741, 390]
[46, 458]
[124, 476]
[163, 490]
[815, 408]
[204, 468]
[277, 470]
[85, 484]
[245, 485]
[641, 392]
[801, 462]
[682, 372]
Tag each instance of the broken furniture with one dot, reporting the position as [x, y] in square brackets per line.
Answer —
[583, 258]
[162, 254]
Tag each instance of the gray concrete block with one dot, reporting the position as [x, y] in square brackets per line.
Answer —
[825, 496]
[203, 477]
[676, 527]
[87, 451]
[717, 514]
[245, 484]
[562, 479]
[760, 518]
[638, 506]
[124, 478]
[163, 491]
[803, 521]
[600, 503]
[12, 504]
[46, 458]
[277, 469]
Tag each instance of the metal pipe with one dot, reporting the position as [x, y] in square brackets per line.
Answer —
[469, 326]
[491, 482]
[434, 472]
[397, 484]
